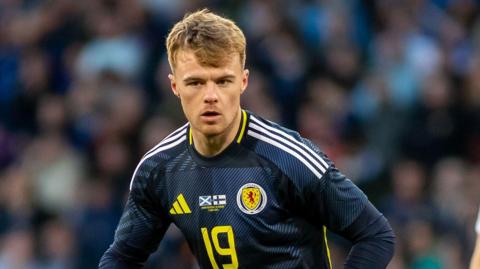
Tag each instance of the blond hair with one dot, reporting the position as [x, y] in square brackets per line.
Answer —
[212, 38]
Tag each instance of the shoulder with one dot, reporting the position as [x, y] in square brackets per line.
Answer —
[296, 156]
[160, 153]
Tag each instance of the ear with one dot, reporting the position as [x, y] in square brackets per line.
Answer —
[246, 72]
[173, 85]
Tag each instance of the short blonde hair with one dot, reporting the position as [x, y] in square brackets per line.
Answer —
[212, 38]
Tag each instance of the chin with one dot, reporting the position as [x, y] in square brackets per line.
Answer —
[212, 130]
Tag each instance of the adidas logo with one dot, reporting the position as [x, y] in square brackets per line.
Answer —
[180, 206]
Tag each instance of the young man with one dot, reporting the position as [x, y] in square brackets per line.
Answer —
[475, 261]
[245, 192]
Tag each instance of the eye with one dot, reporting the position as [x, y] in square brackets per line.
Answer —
[194, 83]
[223, 82]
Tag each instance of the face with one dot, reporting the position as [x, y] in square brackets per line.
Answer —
[210, 96]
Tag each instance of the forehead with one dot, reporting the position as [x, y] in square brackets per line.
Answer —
[187, 62]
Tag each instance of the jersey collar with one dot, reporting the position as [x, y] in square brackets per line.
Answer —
[238, 137]
[229, 151]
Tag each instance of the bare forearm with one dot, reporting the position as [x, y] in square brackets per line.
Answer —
[475, 261]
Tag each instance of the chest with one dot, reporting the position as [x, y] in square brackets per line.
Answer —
[247, 199]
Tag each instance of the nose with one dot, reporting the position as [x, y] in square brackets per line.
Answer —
[211, 95]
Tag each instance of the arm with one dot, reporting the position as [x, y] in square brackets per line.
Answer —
[346, 210]
[475, 261]
[324, 197]
[140, 230]
[372, 238]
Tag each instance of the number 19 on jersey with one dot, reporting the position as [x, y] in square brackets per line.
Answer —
[212, 239]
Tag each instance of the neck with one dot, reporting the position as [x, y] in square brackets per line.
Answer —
[210, 146]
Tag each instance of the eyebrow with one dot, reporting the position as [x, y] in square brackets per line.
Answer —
[194, 78]
[191, 79]
[232, 77]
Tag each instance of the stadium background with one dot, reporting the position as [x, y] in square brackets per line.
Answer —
[390, 90]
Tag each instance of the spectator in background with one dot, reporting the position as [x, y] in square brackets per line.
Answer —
[420, 245]
[115, 46]
[409, 198]
[17, 250]
[58, 248]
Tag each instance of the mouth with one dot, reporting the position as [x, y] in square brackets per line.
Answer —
[210, 114]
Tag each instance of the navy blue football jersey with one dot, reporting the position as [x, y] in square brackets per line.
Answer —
[264, 202]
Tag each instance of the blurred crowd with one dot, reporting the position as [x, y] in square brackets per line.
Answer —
[390, 90]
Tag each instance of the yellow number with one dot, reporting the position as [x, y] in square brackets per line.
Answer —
[228, 251]
[208, 246]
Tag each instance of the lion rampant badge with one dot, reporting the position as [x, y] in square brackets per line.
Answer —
[251, 198]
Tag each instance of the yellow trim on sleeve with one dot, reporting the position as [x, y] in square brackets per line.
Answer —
[326, 246]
